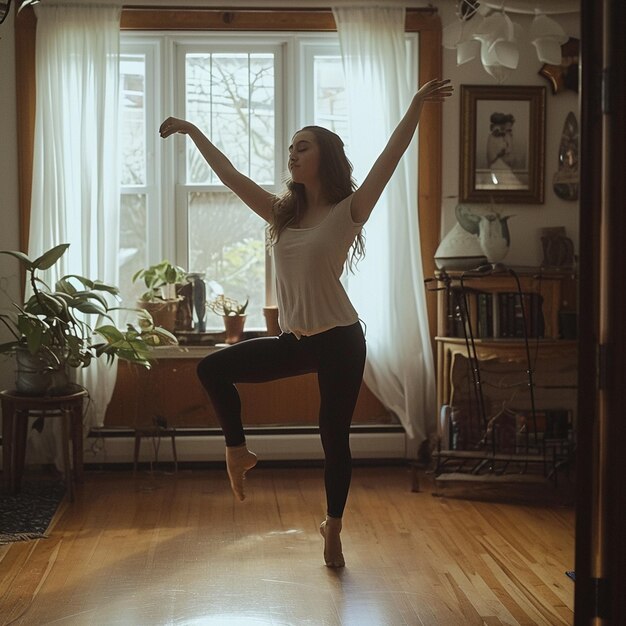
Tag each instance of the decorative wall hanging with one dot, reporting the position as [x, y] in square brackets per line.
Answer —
[502, 144]
[565, 180]
[565, 74]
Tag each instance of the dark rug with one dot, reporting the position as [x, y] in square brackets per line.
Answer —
[27, 514]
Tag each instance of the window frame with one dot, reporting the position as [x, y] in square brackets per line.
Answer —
[166, 166]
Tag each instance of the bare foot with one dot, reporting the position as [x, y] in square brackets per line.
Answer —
[238, 461]
[330, 529]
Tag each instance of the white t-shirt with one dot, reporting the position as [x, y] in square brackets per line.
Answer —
[308, 263]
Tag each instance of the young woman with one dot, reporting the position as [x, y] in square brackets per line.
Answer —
[313, 226]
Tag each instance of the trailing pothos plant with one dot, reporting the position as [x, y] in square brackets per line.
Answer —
[54, 324]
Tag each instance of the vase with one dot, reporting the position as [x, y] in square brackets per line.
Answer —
[199, 300]
[184, 314]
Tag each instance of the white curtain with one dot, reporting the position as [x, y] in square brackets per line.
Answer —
[75, 196]
[388, 287]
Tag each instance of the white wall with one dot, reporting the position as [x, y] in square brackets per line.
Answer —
[526, 226]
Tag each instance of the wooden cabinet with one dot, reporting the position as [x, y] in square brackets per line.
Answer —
[172, 390]
[548, 299]
[543, 353]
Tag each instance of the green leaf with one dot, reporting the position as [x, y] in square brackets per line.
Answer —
[54, 305]
[170, 274]
[65, 286]
[32, 329]
[100, 286]
[75, 344]
[45, 304]
[95, 296]
[65, 298]
[159, 275]
[110, 333]
[137, 274]
[165, 335]
[86, 282]
[144, 319]
[21, 257]
[89, 307]
[49, 258]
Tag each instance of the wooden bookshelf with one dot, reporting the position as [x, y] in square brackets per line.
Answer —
[555, 291]
[551, 294]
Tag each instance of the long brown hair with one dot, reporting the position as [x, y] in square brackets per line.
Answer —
[335, 173]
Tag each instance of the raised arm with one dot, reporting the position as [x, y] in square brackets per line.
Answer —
[367, 195]
[257, 198]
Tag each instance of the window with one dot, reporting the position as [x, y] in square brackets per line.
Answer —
[249, 94]
[232, 94]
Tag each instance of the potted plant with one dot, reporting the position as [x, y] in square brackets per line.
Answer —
[51, 333]
[234, 315]
[161, 299]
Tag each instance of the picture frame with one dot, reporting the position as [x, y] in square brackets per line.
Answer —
[502, 156]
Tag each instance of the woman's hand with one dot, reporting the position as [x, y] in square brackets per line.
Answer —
[435, 90]
[174, 125]
[257, 198]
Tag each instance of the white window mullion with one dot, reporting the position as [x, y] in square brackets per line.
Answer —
[154, 67]
[181, 226]
[162, 226]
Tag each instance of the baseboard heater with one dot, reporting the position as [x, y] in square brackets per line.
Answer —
[115, 446]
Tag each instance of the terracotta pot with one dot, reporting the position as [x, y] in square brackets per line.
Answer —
[163, 313]
[271, 320]
[234, 327]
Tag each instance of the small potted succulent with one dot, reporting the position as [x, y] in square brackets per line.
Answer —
[234, 315]
[161, 299]
[51, 331]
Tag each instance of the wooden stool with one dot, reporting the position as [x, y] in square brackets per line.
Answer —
[16, 409]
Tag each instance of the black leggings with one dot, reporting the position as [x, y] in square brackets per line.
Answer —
[338, 357]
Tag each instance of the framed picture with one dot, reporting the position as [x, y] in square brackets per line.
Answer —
[502, 144]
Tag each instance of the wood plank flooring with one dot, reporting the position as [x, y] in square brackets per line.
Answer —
[177, 549]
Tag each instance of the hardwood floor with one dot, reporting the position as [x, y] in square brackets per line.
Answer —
[177, 549]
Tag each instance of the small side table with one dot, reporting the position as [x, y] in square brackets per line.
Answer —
[16, 408]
